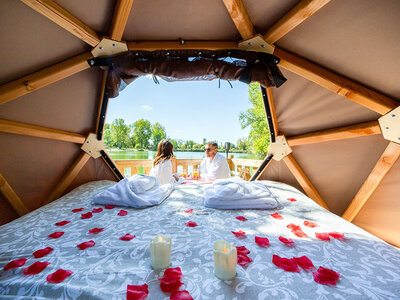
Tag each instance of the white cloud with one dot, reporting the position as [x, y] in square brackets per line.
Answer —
[147, 107]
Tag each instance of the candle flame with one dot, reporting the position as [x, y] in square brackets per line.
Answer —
[224, 250]
[159, 238]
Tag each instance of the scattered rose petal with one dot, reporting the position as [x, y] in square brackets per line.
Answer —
[62, 223]
[42, 252]
[241, 218]
[239, 234]
[137, 292]
[276, 216]
[243, 250]
[191, 224]
[95, 230]
[262, 241]
[86, 245]
[243, 259]
[87, 215]
[171, 280]
[287, 264]
[111, 207]
[97, 210]
[286, 241]
[336, 235]
[36, 268]
[127, 237]
[296, 230]
[167, 288]
[189, 211]
[122, 212]
[326, 276]
[59, 276]
[56, 235]
[291, 199]
[77, 210]
[180, 295]
[304, 262]
[310, 224]
[15, 264]
[322, 236]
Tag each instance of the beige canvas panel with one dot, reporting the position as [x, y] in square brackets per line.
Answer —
[7, 213]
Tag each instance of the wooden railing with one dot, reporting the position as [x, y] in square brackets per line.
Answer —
[244, 168]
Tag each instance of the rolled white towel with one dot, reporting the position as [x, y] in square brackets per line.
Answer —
[142, 183]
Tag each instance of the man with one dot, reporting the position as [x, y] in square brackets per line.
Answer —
[214, 165]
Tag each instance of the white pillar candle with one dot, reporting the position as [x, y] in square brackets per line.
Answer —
[160, 250]
[225, 259]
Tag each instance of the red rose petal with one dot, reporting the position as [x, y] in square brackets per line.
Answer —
[304, 262]
[137, 292]
[167, 288]
[122, 213]
[62, 223]
[189, 211]
[56, 235]
[322, 236]
[42, 252]
[286, 241]
[287, 264]
[239, 233]
[172, 273]
[87, 215]
[77, 210]
[191, 224]
[296, 230]
[243, 250]
[310, 224]
[127, 237]
[95, 230]
[276, 216]
[86, 245]
[326, 276]
[291, 199]
[336, 235]
[58, 276]
[97, 210]
[180, 295]
[243, 259]
[15, 264]
[241, 218]
[111, 207]
[36, 268]
[262, 241]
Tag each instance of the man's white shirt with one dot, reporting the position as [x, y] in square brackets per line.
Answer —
[218, 168]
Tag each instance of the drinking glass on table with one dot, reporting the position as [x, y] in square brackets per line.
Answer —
[195, 174]
[183, 174]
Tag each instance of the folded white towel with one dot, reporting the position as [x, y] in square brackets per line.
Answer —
[141, 183]
[236, 193]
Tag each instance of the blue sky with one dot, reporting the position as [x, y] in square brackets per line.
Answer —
[190, 110]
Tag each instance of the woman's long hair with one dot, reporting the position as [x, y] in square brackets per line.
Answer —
[164, 151]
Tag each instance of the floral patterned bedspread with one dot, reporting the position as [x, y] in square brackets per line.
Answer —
[368, 267]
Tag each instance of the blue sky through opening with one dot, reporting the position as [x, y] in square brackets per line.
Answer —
[190, 110]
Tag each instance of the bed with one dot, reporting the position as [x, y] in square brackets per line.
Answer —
[368, 267]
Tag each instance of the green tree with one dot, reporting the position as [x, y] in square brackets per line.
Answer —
[174, 142]
[119, 133]
[204, 141]
[255, 118]
[107, 138]
[189, 145]
[157, 133]
[141, 131]
[242, 144]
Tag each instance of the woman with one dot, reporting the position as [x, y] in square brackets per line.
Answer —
[162, 166]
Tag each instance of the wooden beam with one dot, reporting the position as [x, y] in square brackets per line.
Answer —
[27, 84]
[272, 109]
[382, 167]
[12, 197]
[239, 16]
[347, 132]
[336, 83]
[120, 18]
[303, 180]
[172, 45]
[63, 18]
[68, 177]
[40, 132]
[303, 10]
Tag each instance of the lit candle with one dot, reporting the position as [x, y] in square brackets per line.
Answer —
[160, 250]
[225, 259]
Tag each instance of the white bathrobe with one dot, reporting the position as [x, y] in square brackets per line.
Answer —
[163, 171]
[218, 168]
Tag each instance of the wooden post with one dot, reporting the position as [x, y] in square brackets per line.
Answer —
[231, 164]
[120, 18]
[12, 197]
[174, 166]
[239, 16]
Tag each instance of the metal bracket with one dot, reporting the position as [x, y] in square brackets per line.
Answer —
[109, 47]
[390, 125]
[93, 146]
[280, 148]
[256, 43]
